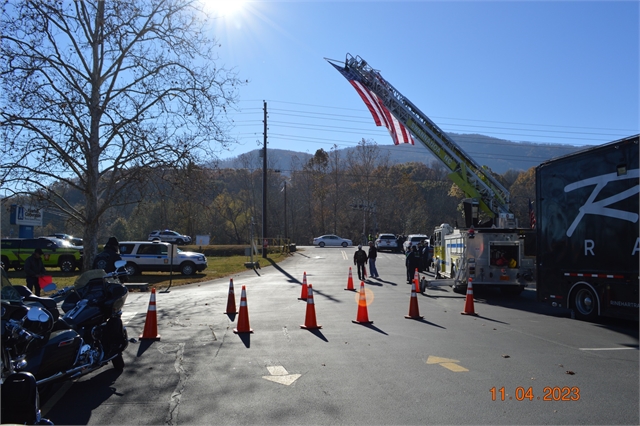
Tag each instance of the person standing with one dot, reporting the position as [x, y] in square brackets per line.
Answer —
[373, 255]
[360, 260]
[412, 262]
[34, 269]
[106, 260]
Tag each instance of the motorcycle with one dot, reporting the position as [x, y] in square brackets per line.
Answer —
[36, 339]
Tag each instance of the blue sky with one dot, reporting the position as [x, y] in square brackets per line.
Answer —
[547, 72]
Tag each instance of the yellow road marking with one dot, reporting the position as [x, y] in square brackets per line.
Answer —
[453, 367]
[438, 360]
[449, 364]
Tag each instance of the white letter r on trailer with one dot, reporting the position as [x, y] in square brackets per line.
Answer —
[588, 247]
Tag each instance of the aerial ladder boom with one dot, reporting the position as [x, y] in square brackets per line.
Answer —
[473, 180]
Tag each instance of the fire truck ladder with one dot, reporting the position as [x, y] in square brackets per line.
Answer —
[474, 180]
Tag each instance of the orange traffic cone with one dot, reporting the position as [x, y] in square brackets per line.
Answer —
[416, 278]
[231, 300]
[414, 311]
[350, 281]
[243, 320]
[468, 304]
[151, 323]
[305, 293]
[310, 319]
[363, 314]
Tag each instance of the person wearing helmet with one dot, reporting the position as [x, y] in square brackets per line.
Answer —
[110, 254]
[360, 260]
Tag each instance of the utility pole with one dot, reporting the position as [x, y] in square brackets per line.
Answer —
[285, 210]
[264, 186]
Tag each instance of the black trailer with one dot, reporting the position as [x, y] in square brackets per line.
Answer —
[588, 240]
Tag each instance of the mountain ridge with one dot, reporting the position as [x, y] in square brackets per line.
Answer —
[500, 155]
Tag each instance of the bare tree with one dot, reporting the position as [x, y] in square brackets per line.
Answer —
[97, 93]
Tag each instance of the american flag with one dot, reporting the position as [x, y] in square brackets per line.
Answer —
[380, 113]
[532, 215]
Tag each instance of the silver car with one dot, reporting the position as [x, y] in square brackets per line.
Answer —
[387, 242]
[331, 240]
[169, 236]
[413, 240]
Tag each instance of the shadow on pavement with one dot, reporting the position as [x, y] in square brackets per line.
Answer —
[93, 392]
[245, 338]
[372, 327]
[422, 320]
[318, 333]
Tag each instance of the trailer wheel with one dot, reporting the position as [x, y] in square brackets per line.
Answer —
[585, 303]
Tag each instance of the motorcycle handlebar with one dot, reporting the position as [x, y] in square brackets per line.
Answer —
[18, 332]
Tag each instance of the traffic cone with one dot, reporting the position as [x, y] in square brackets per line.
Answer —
[231, 300]
[363, 315]
[364, 272]
[151, 323]
[350, 281]
[416, 278]
[243, 319]
[468, 304]
[310, 319]
[305, 292]
[414, 311]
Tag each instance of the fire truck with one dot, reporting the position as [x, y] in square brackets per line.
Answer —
[490, 253]
[495, 257]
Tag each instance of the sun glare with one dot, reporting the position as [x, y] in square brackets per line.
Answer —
[225, 7]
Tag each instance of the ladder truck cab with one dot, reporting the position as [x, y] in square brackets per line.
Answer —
[468, 254]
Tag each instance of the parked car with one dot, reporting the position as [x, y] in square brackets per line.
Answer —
[169, 236]
[387, 242]
[73, 240]
[64, 243]
[413, 240]
[16, 250]
[156, 256]
[331, 240]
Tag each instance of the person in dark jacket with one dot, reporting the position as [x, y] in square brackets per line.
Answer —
[412, 263]
[360, 260]
[373, 255]
[34, 269]
[110, 254]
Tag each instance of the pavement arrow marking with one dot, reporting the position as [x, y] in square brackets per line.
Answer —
[449, 364]
[278, 374]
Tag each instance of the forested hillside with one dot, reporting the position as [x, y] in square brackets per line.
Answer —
[341, 192]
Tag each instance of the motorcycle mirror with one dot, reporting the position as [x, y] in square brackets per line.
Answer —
[50, 287]
[37, 315]
[120, 264]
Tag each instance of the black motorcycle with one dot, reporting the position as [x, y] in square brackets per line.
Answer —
[36, 339]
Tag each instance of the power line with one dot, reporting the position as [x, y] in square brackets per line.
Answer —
[464, 119]
[318, 122]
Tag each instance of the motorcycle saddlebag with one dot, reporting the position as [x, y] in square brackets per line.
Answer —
[19, 399]
[59, 353]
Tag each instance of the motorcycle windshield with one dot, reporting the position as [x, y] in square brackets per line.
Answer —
[87, 276]
[8, 293]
